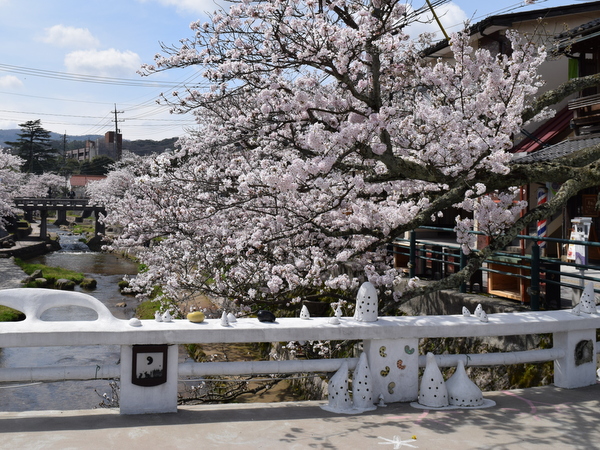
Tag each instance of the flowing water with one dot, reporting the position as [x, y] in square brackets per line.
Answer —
[107, 270]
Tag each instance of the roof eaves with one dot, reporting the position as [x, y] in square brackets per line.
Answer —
[507, 20]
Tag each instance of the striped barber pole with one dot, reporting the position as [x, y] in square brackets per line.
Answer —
[542, 197]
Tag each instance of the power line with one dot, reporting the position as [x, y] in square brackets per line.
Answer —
[83, 117]
[55, 98]
[87, 78]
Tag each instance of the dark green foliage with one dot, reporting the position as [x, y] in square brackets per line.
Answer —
[147, 147]
[35, 148]
[99, 165]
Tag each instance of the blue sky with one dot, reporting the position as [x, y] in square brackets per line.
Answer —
[43, 42]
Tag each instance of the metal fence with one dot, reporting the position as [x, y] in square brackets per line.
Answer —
[526, 275]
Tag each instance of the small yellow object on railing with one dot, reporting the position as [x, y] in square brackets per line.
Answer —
[196, 316]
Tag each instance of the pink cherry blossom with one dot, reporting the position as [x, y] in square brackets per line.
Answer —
[325, 135]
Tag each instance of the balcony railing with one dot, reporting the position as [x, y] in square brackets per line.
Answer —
[529, 278]
[586, 114]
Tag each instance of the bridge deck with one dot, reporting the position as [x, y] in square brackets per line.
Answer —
[538, 418]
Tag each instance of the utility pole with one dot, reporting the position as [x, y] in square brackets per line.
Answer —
[438, 21]
[117, 147]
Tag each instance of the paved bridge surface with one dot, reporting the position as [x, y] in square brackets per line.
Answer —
[538, 418]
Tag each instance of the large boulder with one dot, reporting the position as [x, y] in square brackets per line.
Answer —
[41, 282]
[95, 244]
[64, 285]
[88, 283]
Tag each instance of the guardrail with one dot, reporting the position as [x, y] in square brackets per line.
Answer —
[149, 368]
[53, 203]
[431, 257]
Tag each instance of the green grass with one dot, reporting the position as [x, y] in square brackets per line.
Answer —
[10, 315]
[146, 310]
[50, 273]
[83, 228]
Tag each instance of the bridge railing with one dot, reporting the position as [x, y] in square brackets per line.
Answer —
[149, 369]
[49, 203]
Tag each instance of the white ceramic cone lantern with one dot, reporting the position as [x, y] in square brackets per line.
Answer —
[433, 391]
[588, 299]
[461, 390]
[478, 310]
[304, 314]
[366, 303]
[466, 312]
[231, 318]
[362, 389]
[337, 388]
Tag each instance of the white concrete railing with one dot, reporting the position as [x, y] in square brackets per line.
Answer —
[390, 344]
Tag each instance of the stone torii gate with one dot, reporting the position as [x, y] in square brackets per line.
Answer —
[61, 206]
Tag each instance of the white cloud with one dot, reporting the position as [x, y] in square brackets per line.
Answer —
[194, 6]
[69, 37]
[10, 82]
[451, 15]
[8, 124]
[105, 63]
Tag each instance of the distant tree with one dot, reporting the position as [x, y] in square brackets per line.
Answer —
[99, 165]
[46, 184]
[10, 180]
[69, 167]
[34, 147]
[146, 146]
[118, 181]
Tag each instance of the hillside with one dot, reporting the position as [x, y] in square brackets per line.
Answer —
[140, 147]
[13, 135]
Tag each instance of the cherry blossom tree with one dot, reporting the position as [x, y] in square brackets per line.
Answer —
[39, 186]
[326, 134]
[10, 180]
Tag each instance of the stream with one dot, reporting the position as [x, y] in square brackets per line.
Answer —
[107, 270]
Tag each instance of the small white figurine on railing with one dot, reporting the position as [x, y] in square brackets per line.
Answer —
[304, 314]
[483, 316]
[224, 321]
[338, 311]
[337, 308]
